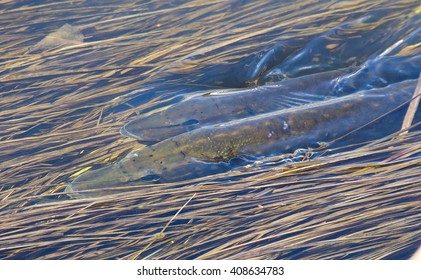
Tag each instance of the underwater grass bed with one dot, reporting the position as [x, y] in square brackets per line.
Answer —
[62, 105]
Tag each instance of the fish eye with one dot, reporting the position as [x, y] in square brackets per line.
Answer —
[152, 178]
[190, 122]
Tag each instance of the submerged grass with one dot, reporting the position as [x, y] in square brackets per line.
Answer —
[61, 109]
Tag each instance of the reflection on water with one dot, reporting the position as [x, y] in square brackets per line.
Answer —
[199, 136]
[229, 88]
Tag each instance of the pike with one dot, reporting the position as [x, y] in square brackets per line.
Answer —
[208, 149]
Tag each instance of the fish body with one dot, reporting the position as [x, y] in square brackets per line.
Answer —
[208, 149]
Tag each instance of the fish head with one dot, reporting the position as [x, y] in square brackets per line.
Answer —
[144, 167]
[177, 119]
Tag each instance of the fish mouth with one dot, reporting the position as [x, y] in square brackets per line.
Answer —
[126, 131]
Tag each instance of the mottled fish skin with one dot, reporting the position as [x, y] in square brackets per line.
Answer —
[206, 150]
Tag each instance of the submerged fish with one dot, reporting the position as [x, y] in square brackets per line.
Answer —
[222, 106]
[325, 97]
[208, 149]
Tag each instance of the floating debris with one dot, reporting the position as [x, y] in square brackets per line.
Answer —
[67, 35]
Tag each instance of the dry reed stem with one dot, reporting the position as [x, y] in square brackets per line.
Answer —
[61, 110]
[412, 109]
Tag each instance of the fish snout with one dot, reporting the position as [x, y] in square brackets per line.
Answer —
[102, 181]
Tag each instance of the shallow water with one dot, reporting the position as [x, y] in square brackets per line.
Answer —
[352, 57]
[62, 108]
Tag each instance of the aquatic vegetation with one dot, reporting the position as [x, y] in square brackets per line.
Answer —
[207, 150]
[200, 135]
[62, 108]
